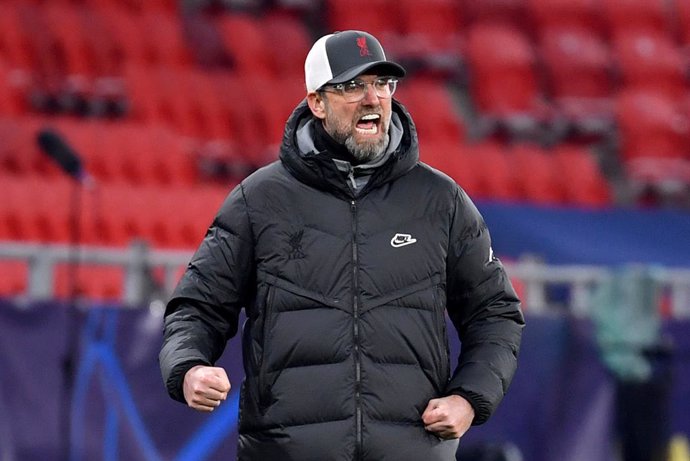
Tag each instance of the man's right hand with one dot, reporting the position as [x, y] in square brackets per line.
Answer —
[205, 387]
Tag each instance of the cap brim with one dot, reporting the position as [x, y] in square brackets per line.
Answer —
[383, 68]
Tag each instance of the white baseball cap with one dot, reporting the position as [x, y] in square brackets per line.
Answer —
[342, 56]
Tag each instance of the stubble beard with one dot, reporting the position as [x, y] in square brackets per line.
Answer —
[368, 151]
[363, 152]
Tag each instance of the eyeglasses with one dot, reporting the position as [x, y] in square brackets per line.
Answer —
[355, 90]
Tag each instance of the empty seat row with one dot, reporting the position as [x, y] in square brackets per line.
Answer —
[111, 152]
[509, 76]
[267, 46]
[215, 105]
[132, 5]
[569, 175]
[63, 39]
[434, 109]
[38, 209]
[440, 23]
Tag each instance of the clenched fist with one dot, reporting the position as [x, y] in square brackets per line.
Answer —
[205, 387]
[448, 417]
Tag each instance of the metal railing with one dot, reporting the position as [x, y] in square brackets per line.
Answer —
[137, 260]
[534, 278]
[581, 281]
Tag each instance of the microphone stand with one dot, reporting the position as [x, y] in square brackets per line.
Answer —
[72, 336]
[56, 147]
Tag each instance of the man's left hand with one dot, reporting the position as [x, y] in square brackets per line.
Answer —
[448, 417]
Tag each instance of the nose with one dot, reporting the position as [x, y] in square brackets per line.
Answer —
[370, 96]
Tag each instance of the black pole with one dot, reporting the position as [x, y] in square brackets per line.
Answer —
[72, 319]
[59, 151]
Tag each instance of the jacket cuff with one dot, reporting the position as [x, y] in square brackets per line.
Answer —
[176, 379]
[482, 411]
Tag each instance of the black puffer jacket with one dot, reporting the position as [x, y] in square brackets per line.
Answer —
[345, 295]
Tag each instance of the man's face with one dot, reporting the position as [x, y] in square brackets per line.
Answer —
[361, 126]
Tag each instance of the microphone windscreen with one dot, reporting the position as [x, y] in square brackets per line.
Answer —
[53, 145]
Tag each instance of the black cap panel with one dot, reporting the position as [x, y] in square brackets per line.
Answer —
[351, 53]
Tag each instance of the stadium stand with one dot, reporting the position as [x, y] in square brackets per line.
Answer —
[503, 78]
[578, 78]
[579, 14]
[171, 104]
[565, 120]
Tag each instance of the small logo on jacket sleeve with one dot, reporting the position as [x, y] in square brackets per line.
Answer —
[401, 240]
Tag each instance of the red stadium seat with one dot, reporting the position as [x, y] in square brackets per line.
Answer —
[289, 42]
[92, 281]
[140, 89]
[151, 36]
[510, 13]
[584, 183]
[378, 17]
[578, 67]
[493, 166]
[15, 276]
[14, 90]
[577, 63]
[39, 45]
[503, 81]
[70, 46]
[215, 118]
[580, 14]
[38, 210]
[655, 141]
[11, 224]
[682, 11]
[538, 175]
[432, 33]
[247, 44]
[277, 100]
[14, 43]
[647, 59]
[434, 23]
[102, 45]
[622, 15]
[171, 158]
[431, 105]
[651, 125]
[162, 33]
[18, 152]
[456, 161]
[163, 216]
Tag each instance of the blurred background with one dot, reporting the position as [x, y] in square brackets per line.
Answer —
[124, 124]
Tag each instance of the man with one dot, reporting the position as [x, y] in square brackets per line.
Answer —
[345, 254]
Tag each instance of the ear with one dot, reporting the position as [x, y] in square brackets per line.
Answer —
[317, 105]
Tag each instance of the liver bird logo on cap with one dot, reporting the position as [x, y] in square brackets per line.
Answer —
[363, 47]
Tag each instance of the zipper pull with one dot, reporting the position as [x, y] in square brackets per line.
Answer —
[351, 177]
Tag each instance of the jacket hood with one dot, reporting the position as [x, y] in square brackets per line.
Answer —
[306, 164]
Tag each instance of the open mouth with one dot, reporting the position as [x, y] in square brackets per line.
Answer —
[369, 124]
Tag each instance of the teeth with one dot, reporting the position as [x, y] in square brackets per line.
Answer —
[371, 117]
[373, 130]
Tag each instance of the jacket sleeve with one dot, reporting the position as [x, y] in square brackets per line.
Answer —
[203, 311]
[484, 310]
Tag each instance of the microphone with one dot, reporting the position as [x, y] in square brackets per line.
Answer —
[55, 147]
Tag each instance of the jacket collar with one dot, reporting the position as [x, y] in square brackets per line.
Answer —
[303, 161]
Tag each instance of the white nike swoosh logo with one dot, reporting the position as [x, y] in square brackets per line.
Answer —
[401, 240]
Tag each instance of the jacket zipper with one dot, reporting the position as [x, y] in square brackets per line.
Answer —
[355, 332]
